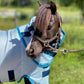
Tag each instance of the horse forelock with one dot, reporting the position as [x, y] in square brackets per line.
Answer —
[43, 18]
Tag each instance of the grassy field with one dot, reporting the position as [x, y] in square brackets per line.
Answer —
[69, 68]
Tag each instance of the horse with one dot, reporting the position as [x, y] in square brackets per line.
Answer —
[27, 51]
[47, 25]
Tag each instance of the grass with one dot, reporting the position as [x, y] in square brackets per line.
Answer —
[6, 24]
[69, 68]
[70, 13]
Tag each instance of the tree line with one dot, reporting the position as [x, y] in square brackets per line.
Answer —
[15, 2]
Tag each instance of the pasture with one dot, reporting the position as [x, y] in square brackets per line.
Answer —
[69, 68]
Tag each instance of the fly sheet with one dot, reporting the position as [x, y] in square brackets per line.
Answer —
[14, 63]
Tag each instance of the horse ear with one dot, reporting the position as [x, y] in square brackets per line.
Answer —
[53, 7]
[39, 3]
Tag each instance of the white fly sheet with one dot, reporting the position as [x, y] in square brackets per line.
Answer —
[14, 63]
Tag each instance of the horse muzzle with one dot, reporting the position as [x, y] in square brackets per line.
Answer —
[35, 49]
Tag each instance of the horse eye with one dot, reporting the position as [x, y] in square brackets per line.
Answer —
[49, 27]
[38, 33]
[58, 25]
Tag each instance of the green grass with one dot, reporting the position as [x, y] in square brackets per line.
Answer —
[69, 68]
[22, 82]
[10, 23]
[72, 13]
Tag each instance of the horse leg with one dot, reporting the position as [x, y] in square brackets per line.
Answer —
[26, 81]
[1, 83]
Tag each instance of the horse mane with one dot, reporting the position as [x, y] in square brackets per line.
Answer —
[43, 17]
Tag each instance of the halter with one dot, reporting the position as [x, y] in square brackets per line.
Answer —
[46, 43]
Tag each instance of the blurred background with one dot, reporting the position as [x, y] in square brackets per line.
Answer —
[65, 69]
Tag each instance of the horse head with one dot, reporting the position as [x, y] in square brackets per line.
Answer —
[46, 26]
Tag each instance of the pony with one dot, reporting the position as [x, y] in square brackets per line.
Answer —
[47, 25]
[27, 51]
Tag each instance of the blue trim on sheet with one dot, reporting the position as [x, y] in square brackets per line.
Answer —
[21, 37]
[58, 44]
[26, 76]
[45, 73]
[41, 65]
